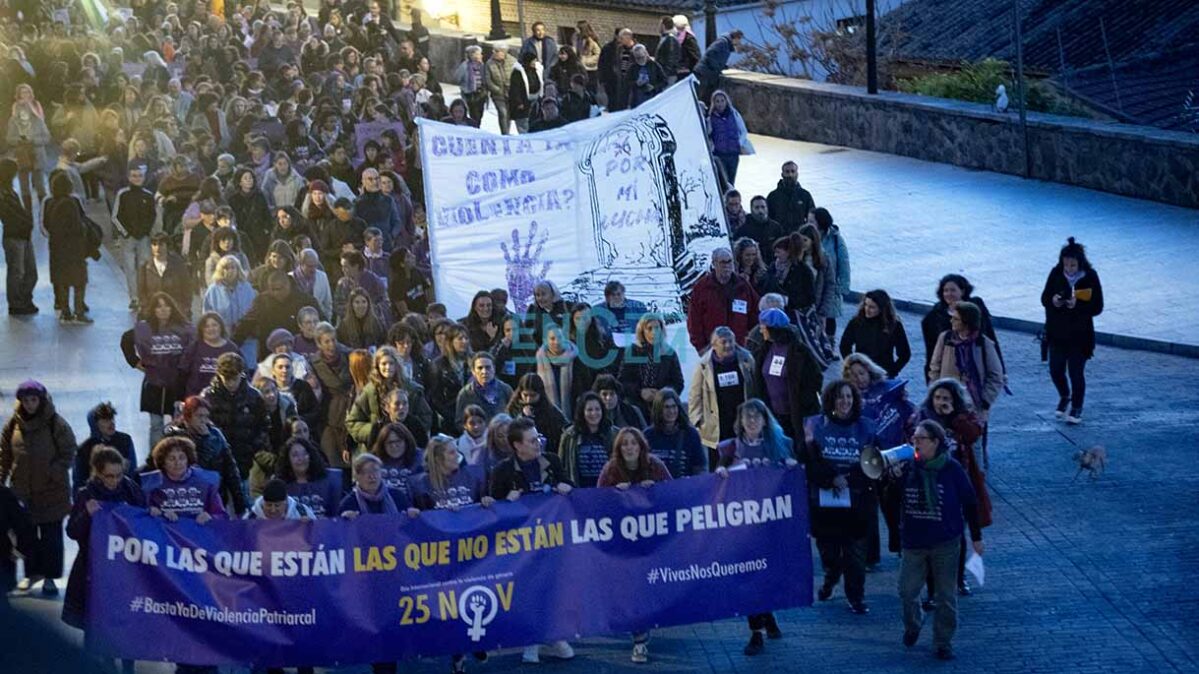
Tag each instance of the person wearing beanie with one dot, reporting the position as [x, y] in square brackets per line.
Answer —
[275, 504]
[37, 449]
[282, 341]
[238, 410]
[787, 374]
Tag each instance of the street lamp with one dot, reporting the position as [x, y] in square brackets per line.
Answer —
[497, 23]
[709, 22]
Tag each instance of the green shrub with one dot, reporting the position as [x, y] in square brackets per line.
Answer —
[977, 82]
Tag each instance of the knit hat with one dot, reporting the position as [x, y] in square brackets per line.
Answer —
[31, 387]
[279, 337]
[318, 186]
[274, 491]
[774, 318]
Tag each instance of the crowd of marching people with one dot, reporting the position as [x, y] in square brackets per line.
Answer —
[295, 363]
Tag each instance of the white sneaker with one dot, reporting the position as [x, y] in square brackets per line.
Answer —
[640, 653]
[560, 650]
[530, 655]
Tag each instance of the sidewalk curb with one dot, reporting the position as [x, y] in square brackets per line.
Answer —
[1033, 327]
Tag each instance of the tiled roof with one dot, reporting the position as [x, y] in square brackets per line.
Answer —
[1154, 45]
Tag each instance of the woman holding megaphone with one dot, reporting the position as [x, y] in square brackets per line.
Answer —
[936, 498]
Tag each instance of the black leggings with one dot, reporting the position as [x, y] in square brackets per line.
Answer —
[1072, 361]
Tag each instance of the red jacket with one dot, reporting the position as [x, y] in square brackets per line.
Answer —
[714, 305]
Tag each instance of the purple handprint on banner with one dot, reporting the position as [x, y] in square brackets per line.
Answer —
[522, 274]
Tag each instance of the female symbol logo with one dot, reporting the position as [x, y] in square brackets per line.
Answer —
[477, 608]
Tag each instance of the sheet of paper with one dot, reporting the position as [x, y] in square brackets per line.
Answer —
[974, 564]
[834, 498]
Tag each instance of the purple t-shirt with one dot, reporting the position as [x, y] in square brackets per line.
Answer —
[322, 496]
[774, 372]
[463, 488]
[187, 497]
[399, 477]
[200, 364]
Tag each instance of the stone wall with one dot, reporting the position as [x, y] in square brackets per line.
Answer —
[1130, 160]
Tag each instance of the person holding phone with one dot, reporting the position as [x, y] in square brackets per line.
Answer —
[1073, 297]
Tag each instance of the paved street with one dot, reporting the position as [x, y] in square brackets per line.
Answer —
[1082, 576]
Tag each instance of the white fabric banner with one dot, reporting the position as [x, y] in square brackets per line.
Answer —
[631, 196]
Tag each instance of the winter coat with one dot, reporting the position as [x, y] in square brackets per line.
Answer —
[714, 60]
[524, 90]
[18, 223]
[643, 82]
[647, 367]
[214, 454]
[788, 205]
[176, 281]
[379, 210]
[936, 321]
[889, 350]
[762, 230]
[804, 376]
[497, 76]
[836, 255]
[366, 413]
[268, 314]
[797, 284]
[549, 50]
[669, 52]
[986, 360]
[37, 454]
[703, 404]
[159, 353]
[79, 529]
[1067, 328]
[336, 391]
[231, 303]
[549, 420]
[63, 219]
[242, 416]
[253, 217]
[734, 304]
[508, 476]
[283, 191]
[468, 396]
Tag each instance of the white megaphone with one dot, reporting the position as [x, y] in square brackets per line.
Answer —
[876, 462]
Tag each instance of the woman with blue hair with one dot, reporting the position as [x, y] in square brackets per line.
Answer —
[759, 441]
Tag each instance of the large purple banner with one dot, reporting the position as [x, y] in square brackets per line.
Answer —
[381, 588]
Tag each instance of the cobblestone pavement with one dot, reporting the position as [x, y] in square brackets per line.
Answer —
[1083, 576]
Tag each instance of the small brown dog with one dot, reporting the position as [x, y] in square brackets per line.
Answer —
[1093, 460]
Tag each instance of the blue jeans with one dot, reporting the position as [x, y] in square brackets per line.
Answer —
[22, 273]
[729, 162]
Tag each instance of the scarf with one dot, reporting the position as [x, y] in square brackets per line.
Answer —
[490, 392]
[389, 505]
[303, 282]
[557, 371]
[928, 476]
[1075, 277]
[963, 358]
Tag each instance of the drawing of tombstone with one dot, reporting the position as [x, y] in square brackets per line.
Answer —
[639, 235]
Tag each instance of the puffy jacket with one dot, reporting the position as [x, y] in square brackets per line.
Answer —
[36, 453]
[243, 418]
[366, 414]
[733, 304]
